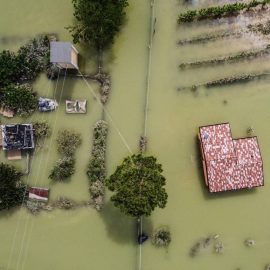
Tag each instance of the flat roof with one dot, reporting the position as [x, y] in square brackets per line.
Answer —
[230, 164]
[17, 137]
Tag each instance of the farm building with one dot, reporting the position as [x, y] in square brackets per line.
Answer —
[64, 55]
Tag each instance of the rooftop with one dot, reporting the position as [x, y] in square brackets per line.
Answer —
[230, 164]
[39, 194]
[61, 52]
[17, 137]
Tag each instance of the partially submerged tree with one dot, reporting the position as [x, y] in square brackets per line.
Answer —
[25, 65]
[42, 130]
[97, 21]
[161, 237]
[19, 98]
[8, 68]
[67, 142]
[12, 190]
[138, 186]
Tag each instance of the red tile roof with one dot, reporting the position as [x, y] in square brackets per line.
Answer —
[230, 164]
[37, 193]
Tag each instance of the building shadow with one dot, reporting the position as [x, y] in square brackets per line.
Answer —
[219, 195]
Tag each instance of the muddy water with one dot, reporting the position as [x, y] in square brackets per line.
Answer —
[83, 238]
[174, 118]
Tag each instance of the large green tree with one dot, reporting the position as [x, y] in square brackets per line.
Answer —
[97, 21]
[12, 190]
[138, 186]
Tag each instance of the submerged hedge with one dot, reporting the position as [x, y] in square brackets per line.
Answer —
[218, 11]
[96, 169]
[228, 59]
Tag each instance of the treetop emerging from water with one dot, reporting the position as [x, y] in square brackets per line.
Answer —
[97, 21]
[138, 186]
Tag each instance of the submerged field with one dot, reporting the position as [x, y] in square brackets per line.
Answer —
[84, 238]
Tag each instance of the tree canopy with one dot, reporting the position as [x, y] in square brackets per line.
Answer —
[97, 21]
[12, 190]
[138, 186]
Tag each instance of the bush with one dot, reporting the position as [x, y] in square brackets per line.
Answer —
[97, 189]
[63, 169]
[12, 190]
[67, 142]
[161, 237]
[41, 130]
[19, 98]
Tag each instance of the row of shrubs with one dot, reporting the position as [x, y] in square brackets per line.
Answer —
[210, 37]
[260, 28]
[67, 143]
[225, 81]
[18, 71]
[231, 58]
[218, 11]
[97, 168]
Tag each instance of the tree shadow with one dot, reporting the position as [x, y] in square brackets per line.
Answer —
[123, 229]
[5, 214]
[219, 195]
[120, 228]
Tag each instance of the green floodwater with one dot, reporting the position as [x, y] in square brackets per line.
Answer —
[84, 239]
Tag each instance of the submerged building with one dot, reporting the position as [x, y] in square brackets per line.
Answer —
[64, 55]
[17, 137]
[229, 164]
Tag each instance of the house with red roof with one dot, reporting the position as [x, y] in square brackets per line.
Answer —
[229, 164]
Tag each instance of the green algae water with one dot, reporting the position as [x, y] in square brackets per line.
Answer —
[83, 239]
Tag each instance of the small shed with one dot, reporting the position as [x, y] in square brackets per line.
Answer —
[39, 194]
[64, 55]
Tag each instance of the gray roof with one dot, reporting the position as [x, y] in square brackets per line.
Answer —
[60, 52]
